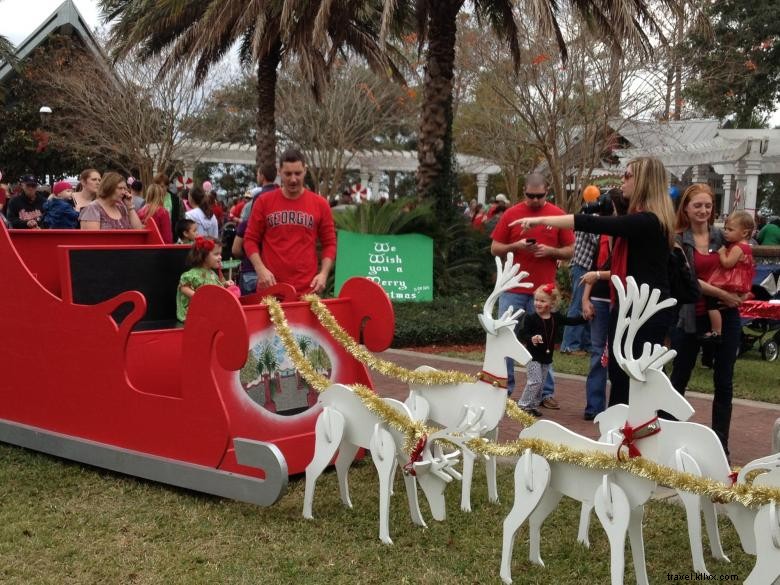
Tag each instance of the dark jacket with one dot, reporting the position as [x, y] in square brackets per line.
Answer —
[648, 247]
[60, 214]
[548, 328]
[687, 315]
[21, 210]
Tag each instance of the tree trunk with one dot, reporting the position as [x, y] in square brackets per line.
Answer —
[266, 106]
[434, 151]
[678, 68]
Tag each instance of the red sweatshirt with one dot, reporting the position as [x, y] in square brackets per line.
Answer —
[285, 232]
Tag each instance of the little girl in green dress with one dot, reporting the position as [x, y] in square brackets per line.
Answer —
[205, 257]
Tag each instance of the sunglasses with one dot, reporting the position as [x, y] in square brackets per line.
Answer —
[627, 176]
[536, 195]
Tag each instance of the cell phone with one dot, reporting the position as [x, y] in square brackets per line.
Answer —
[530, 241]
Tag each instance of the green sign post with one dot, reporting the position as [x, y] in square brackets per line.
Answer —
[402, 265]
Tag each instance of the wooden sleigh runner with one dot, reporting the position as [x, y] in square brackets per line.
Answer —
[95, 369]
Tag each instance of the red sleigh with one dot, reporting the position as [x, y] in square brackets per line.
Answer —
[97, 372]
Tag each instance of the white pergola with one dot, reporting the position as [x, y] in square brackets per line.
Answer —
[369, 163]
[740, 156]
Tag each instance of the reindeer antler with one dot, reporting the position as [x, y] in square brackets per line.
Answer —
[509, 277]
[442, 464]
[643, 304]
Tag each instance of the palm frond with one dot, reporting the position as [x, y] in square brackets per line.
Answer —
[7, 52]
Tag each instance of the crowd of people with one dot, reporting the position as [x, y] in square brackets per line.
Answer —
[633, 232]
[285, 234]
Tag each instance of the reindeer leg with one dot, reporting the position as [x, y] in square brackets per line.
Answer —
[532, 476]
[548, 503]
[638, 544]
[614, 511]
[414, 503]
[713, 533]
[692, 502]
[490, 470]
[468, 474]
[347, 454]
[328, 432]
[582, 534]
[767, 531]
[383, 454]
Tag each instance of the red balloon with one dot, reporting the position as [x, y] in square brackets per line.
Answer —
[591, 193]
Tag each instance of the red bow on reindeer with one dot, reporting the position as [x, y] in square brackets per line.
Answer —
[202, 243]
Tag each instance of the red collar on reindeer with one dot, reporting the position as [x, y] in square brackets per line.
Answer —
[415, 456]
[632, 434]
[492, 379]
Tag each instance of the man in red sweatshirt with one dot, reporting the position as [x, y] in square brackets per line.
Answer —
[284, 226]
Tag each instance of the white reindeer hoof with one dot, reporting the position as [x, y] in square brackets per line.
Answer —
[506, 578]
[584, 542]
[494, 500]
[386, 540]
[308, 516]
[465, 508]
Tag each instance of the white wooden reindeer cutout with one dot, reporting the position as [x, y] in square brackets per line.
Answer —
[693, 448]
[451, 404]
[767, 534]
[688, 447]
[619, 497]
[345, 425]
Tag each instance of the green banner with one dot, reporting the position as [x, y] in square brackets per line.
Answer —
[402, 265]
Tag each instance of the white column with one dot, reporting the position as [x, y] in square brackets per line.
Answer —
[726, 203]
[364, 178]
[697, 176]
[748, 171]
[374, 185]
[482, 181]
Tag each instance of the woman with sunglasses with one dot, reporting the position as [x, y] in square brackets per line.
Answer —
[643, 239]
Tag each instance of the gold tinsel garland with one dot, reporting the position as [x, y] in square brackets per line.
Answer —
[413, 430]
[513, 411]
[390, 369]
[745, 494]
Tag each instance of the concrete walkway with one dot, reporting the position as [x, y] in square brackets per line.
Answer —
[751, 422]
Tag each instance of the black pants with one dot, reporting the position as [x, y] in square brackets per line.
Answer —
[724, 357]
[654, 331]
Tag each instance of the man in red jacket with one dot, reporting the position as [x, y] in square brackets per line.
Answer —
[284, 226]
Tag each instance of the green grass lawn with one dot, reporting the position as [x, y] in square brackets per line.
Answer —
[754, 378]
[62, 522]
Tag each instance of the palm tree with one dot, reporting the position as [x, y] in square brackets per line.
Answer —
[7, 51]
[270, 364]
[436, 22]
[202, 31]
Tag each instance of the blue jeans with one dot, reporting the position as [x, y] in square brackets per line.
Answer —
[596, 383]
[525, 302]
[576, 337]
[724, 356]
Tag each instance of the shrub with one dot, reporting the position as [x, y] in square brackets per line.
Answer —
[446, 320]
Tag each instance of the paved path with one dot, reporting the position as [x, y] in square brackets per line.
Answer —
[751, 422]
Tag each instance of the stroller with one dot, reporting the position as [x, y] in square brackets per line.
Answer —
[761, 317]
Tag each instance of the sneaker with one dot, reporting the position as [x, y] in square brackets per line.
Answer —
[588, 416]
[533, 412]
[551, 403]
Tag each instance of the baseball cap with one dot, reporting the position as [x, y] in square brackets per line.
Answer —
[29, 180]
[501, 197]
